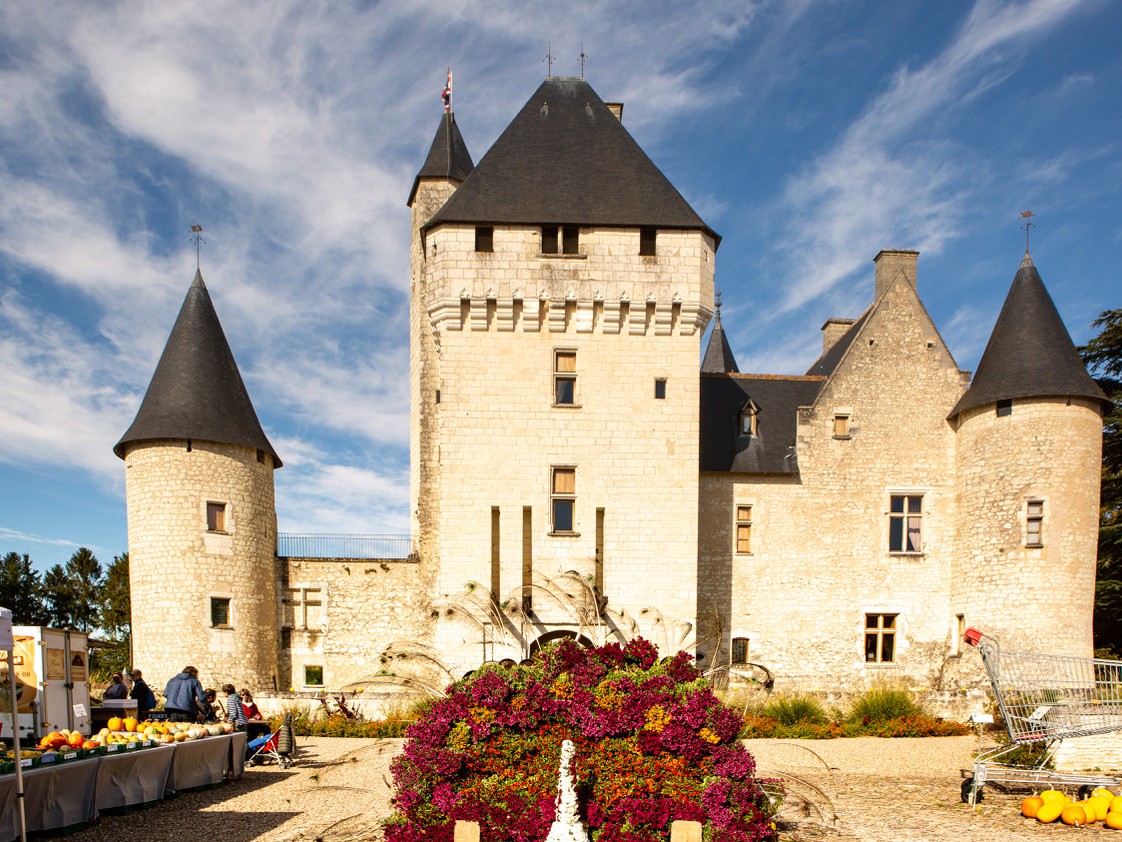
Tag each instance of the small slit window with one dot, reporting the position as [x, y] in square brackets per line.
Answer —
[739, 650]
[216, 517]
[1034, 524]
[743, 530]
[219, 611]
[484, 237]
[660, 389]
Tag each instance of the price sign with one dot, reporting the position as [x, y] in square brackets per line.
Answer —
[79, 711]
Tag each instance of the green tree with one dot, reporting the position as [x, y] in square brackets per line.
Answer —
[116, 619]
[21, 590]
[60, 599]
[1103, 356]
[86, 580]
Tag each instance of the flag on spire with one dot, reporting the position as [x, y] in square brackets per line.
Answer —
[447, 94]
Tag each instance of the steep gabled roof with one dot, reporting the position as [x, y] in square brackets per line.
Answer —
[1030, 353]
[772, 449]
[566, 159]
[197, 391]
[448, 156]
[718, 355]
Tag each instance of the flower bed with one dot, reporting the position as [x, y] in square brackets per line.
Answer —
[653, 745]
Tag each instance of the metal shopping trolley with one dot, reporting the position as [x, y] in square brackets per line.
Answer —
[1044, 699]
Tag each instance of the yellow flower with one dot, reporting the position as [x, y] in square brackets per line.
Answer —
[709, 736]
[657, 718]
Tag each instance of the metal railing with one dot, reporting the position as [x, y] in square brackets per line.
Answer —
[321, 545]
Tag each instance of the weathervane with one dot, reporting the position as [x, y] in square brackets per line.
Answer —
[718, 303]
[582, 58]
[447, 93]
[197, 236]
[1027, 216]
[548, 58]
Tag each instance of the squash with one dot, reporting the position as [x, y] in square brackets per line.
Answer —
[1031, 806]
[1074, 815]
[1051, 810]
[1114, 820]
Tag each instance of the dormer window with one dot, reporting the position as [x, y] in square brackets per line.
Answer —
[560, 239]
[749, 419]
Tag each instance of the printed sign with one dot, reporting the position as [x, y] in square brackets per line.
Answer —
[56, 665]
[79, 711]
[78, 667]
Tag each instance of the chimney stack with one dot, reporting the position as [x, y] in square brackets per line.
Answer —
[833, 330]
[890, 264]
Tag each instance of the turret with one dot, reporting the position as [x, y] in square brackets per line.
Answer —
[718, 354]
[201, 514]
[1029, 446]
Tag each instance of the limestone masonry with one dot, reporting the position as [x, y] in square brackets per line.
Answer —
[575, 472]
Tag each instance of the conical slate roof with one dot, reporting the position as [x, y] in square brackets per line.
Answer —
[1030, 353]
[197, 391]
[718, 355]
[448, 156]
[566, 159]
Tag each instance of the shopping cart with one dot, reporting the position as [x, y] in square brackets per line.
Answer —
[1044, 699]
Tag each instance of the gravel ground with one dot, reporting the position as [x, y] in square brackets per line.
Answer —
[879, 790]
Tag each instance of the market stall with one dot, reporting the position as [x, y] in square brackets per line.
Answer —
[65, 794]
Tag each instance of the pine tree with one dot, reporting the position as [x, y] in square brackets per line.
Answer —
[21, 590]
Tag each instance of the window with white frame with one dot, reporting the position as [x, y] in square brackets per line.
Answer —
[563, 499]
[880, 638]
[905, 523]
[1034, 523]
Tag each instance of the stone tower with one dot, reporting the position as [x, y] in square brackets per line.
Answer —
[1029, 447]
[202, 523]
[558, 298]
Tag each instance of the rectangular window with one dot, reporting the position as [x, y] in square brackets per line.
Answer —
[880, 638]
[1034, 524]
[560, 239]
[660, 390]
[739, 650]
[1004, 407]
[565, 377]
[570, 240]
[550, 239]
[313, 676]
[484, 237]
[216, 517]
[219, 611]
[905, 524]
[303, 608]
[841, 426]
[647, 239]
[563, 498]
[743, 530]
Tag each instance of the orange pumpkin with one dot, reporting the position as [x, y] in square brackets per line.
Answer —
[114, 723]
[1114, 820]
[1074, 815]
[1031, 806]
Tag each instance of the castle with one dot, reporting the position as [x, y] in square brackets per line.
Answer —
[837, 527]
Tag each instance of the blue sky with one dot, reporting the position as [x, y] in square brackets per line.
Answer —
[810, 135]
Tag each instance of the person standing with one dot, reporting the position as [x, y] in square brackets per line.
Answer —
[235, 713]
[117, 689]
[145, 698]
[183, 694]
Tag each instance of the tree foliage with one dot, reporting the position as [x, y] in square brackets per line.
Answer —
[1103, 356]
[21, 590]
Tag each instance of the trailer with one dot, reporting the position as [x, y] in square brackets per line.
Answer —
[52, 681]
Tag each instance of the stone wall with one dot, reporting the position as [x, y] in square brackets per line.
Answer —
[820, 560]
[497, 319]
[177, 567]
[363, 606]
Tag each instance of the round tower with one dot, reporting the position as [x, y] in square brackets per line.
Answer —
[202, 523]
[1029, 449]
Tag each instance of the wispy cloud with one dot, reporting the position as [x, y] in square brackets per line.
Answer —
[895, 178]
